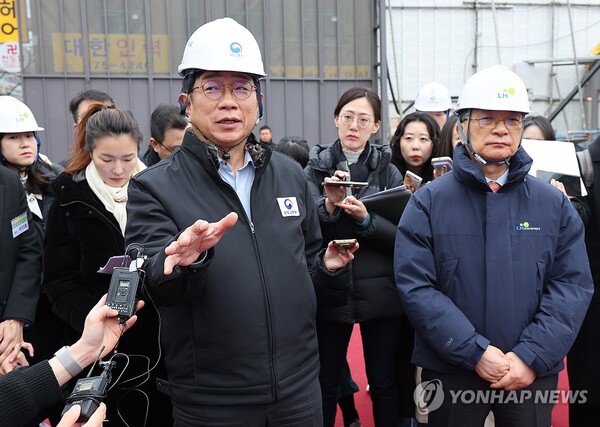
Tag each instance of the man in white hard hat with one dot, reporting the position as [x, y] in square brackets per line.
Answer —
[492, 271]
[434, 99]
[233, 239]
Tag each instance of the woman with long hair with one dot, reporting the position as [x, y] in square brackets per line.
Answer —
[85, 228]
[413, 144]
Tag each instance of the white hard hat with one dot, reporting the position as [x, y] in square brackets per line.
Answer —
[16, 117]
[496, 89]
[433, 96]
[222, 45]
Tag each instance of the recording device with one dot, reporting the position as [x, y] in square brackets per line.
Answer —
[351, 184]
[439, 162]
[344, 243]
[90, 392]
[412, 179]
[122, 292]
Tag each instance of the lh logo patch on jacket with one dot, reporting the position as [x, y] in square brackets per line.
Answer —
[525, 226]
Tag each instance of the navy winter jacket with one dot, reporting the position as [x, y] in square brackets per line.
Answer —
[508, 269]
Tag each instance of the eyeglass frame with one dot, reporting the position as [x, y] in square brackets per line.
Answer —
[222, 89]
[495, 122]
[358, 119]
[166, 148]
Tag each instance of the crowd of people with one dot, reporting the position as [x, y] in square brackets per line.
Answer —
[259, 258]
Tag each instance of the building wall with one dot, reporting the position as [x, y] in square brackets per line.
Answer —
[313, 50]
[448, 40]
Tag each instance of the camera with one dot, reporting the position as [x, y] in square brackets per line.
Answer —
[90, 392]
[122, 292]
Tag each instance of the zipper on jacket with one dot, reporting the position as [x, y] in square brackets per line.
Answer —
[271, 345]
[274, 388]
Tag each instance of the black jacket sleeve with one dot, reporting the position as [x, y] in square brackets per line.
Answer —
[149, 223]
[24, 392]
[63, 280]
[21, 261]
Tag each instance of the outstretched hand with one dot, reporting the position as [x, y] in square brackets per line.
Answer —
[196, 239]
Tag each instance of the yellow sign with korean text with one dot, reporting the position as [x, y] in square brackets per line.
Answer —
[9, 28]
[110, 53]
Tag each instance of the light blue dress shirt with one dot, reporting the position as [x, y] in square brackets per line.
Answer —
[241, 182]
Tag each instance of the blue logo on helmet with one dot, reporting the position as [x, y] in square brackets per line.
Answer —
[235, 47]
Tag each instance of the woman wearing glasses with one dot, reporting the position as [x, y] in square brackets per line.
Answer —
[374, 302]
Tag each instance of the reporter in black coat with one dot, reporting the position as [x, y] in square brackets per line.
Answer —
[582, 360]
[20, 261]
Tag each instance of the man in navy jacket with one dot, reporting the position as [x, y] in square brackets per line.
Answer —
[492, 270]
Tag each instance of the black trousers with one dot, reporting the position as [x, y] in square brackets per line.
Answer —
[302, 409]
[467, 400]
[584, 415]
[380, 342]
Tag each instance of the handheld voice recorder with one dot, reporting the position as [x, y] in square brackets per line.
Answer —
[122, 292]
[89, 392]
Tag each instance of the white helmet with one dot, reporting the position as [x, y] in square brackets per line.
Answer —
[433, 96]
[16, 117]
[496, 89]
[222, 45]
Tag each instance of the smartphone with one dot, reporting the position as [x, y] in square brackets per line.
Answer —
[438, 162]
[352, 184]
[412, 179]
[344, 243]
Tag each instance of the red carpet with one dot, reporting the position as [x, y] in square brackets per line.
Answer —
[560, 417]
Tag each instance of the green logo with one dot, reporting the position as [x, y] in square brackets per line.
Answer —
[526, 226]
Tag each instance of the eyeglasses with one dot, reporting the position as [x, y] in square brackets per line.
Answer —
[362, 122]
[170, 150]
[487, 122]
[216, 90]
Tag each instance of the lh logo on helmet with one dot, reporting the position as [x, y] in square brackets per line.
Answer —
[22, 117]
[506, 92]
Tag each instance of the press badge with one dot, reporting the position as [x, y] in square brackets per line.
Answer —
[288, 206]
[19, 224]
